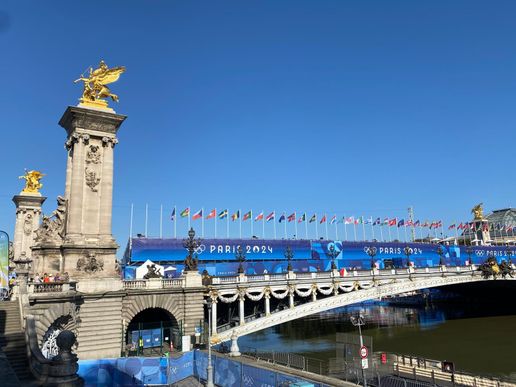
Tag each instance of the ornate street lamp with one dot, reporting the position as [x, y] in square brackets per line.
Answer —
[441, 255]
[332, 253]
[508, 251]
[469, 251]
[358, 321]
[209, 368]
[289, 255]
[371, 251]
[407, 250]
[191, 244]
[240, 256]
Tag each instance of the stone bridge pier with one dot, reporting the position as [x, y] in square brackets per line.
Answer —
[100, 319]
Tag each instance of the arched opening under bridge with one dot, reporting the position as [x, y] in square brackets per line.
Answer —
[153, 331]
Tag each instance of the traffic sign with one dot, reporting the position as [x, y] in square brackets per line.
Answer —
[365, 363]
[363, 352]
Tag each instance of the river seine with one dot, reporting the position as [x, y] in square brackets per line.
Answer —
[476, 332]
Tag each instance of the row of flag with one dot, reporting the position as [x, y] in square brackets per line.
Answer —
[303, 218]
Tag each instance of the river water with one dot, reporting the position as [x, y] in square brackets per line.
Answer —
[477, 334]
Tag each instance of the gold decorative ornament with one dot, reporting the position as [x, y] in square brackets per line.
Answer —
[32, 184]
[95, 86]
[478, 212]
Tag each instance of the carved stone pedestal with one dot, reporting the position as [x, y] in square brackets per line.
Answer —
[28, 216]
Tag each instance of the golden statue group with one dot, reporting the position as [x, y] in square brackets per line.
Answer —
[95, 85]
[32, 184]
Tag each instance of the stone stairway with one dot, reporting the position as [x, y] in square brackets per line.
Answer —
[12, 339]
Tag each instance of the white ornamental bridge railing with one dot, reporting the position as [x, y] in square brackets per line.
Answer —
[350, 288]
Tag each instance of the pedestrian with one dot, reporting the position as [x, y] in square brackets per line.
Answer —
[46, 278]
[37, 279]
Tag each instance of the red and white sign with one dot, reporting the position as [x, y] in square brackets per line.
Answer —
[363, 352]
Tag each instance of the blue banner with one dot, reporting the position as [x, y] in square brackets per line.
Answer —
[4, 259]
[171, 250]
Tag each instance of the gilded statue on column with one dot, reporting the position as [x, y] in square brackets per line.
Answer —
[478, 212]
[32, 184]
[95, 85]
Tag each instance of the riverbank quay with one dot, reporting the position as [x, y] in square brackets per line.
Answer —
[228, 371]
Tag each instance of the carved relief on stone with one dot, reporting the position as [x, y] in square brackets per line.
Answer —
[27, 224]
[52, 228]
[90, 263]
[91, 179]
[106, 141]
[93, 155]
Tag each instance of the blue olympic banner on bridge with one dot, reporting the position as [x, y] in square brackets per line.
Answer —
[172, 250]
[4, 259]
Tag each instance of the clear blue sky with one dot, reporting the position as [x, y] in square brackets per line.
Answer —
[346, 107]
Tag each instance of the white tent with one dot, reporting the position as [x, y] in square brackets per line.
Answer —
[142, 270]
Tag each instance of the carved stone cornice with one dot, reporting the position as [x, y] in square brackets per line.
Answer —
[90, 119]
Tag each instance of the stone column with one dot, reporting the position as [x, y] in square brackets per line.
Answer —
[241, 298]
[291, 297]
[314, 294]
[267, 297]
[214, 316]
[28, 217]
[88, 247]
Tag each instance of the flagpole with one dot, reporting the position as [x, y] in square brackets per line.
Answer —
[263, 225]
[354, 229]
[405, 231]
[389, 228]
[240, 218]
[442, 231]
[295, 224]
[202, 221]
[131, 227]
[372, 229]
[146, 218]
[456, 234]
[285, 224]
[421, 233]
[189, 215]
[175, 222]
[227, 225]
[397, 229]
[316, 231]
[363, 228]
[216, 222]
[326, 227]
[306, 227]
[252, 221]
[161, 221]
[274, 223]
[345, 228]
[336, 231]
[381, 232]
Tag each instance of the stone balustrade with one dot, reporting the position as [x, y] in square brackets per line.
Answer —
[50, 287]
[154, 283]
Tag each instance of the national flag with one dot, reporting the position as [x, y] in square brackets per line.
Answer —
[333, 219]
[439, 224]
[248, 215]
[472, 226]
[323, 219]
[417, 223]
[508, 228]
[223, 214]
[282, 218]
[235, 216]
[349, 220]
[385, 222]
[359, 220]
[401, 222]
[369, 221]
[460, 226]
[485, 227]
[302, 218]
[377, 221]
[313, 218]
[426, 224]
[173, 215]
[410, 223]
[212, 214]
[452, 226]
[271, 216]
[259, 217]
[292, 217]
[197, 215]
[185, 212]
[393, 221]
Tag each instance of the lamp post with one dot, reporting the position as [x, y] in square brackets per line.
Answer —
[289, 255]
[371, 251]
[358, 321]
[240, 256]
[332, 255]
[209, 368]
[508, 251]
[191, 245]
[441, 258]
[407, 250]
[469, 251]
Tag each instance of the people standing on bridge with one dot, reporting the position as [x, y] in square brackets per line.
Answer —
[37, 279]
[46, 278]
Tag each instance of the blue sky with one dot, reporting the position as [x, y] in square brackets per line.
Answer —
[346, 107]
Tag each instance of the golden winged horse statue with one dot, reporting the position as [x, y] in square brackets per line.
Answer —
[95, 85]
